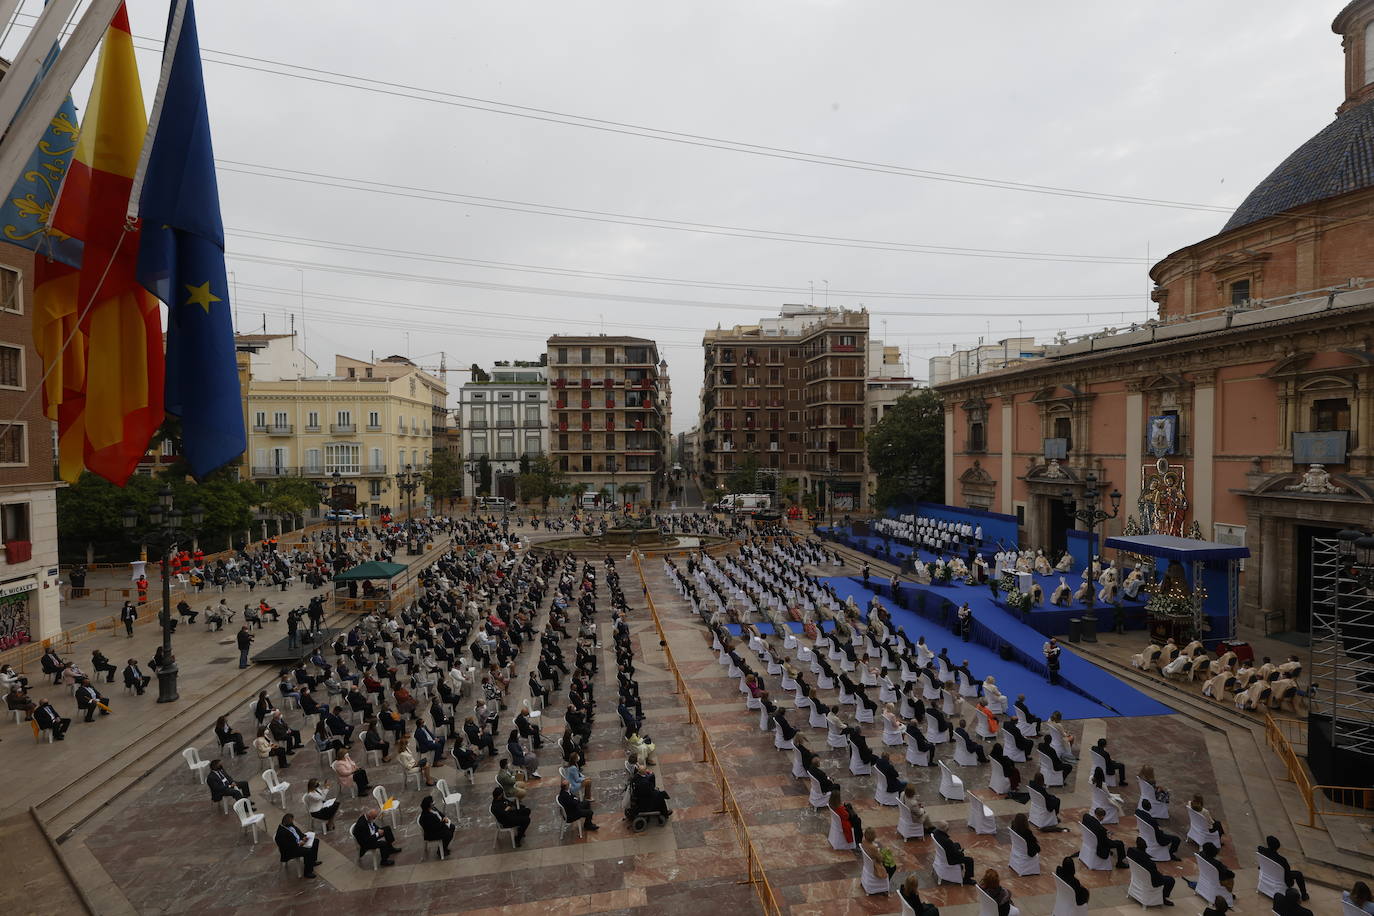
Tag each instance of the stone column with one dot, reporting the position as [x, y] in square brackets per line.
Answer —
[1005, 475]
[1135, 433]
[950, 433]
[1204, 450]
[1269, 598]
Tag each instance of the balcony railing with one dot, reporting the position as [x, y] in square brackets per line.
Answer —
[281, 429]
[343, 427]
[505, 424]
[274, 471]
[312, 427]
[477, 424]
[374, 427]
[374, 469]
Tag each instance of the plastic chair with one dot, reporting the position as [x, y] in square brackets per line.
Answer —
[380, 797]
[275, 787]
[1065, 901]
[836, 834]
[1019, 861]
[416, 774]
[980, 816]
[1209, 882]
[1271, 876]
[561, 813]
[1040, 814]
[247, 819]
[324, 824]
[908, 828]
[951, 786]
[880, 794]
[857, 767]
[424, 849]
[197, 766]
[1350, 909]
[1052, 776]
[872, 882]
[944, 871]
[1200, 829]
[1087, 852]
[1141, 890]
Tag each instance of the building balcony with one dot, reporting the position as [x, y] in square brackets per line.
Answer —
[374, 470]
[505, 424]
[374, 427]
[477, 424]
[274, 470]
[312, 427]
[343, 428]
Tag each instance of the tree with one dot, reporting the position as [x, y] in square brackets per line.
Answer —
[443, 479]
[909, 440]
[484, 476]
[744, 478]
[524, 467]
[543, 481]
[289, 497]
[788, 488]
[631, 490]
[479, 374]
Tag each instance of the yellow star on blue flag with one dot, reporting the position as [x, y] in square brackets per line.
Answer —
[201, 296]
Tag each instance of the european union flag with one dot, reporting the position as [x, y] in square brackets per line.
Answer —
[181, 257]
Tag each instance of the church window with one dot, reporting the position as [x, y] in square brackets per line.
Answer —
[1330, 414]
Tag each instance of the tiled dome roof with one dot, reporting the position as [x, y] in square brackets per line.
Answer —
[1337, 160]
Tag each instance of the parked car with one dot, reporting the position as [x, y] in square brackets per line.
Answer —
[344, 515]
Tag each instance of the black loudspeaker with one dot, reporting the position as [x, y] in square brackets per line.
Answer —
[1004, 652]
[1335, 766]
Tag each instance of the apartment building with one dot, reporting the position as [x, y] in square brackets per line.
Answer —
[503, 415]
[609, 414]
[29, 608]
[789, 392]
[368, 421]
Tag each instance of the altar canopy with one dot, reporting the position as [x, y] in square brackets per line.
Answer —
[1213, 567]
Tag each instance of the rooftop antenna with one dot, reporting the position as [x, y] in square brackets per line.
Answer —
[812, 300]
[302, 273]
[827, 293]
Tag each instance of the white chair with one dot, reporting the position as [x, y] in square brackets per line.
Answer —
[1147, 832]
[1350, 909]
[917, 757]
[944, 871]
[836, 835]
[834, 736]
[1200, 829]
[417, 774]
[1271, 876]
[779, 742]
[982, 728]
[988, 907]
[1087, 852]
[379, 796]
[1158, 808]
[275, 786]
[798, 768]
[1141, 890]
[819, 797]
[873, 883]
[1209, 882]
[765, 720]
[948, 706]
[753, 702]
[425, 844]
[1103, 799]
[934, 734]
[1010, 749]
[951, 786]
[788, 682]
[1040, 814]
[1101, 764]
[378, 761]
[323, 827]
[448, 798]
[847, 698]
[1057, 742]
[998, 782]
[247, 819]
[887, 691]
[197, 766]
[980, 816]
[908, 828]
[892, 734]
[561, 814]
[857, 767]
[880, 794]
[966, 688]
[962, 755]
[1020, 862]
[1052, 776]
[1065, 901]
[863, 713]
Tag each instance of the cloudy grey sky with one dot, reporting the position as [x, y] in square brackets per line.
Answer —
[1179, 101]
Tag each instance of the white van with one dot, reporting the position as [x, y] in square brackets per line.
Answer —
[744, 502]
[492, 502]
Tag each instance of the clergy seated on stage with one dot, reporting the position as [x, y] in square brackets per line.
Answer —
[1062, 595]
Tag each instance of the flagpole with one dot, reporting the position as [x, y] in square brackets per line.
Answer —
[28, 128]
[27, 65]
[169, 56]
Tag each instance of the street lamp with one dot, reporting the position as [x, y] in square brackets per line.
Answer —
[165, 520]
[330, 496]
[612, 468]
[1091, 515]
[832, 471]
[1357, 556]
[407, 481]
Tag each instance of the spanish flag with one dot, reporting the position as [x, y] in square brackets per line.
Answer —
[98, 328]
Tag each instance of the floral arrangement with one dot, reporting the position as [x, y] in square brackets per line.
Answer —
[1018, 600]
[1007, 584]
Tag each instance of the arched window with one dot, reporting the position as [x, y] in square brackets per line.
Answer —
[1369, 53]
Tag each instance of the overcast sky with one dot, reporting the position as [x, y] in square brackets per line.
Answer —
[1180, 101]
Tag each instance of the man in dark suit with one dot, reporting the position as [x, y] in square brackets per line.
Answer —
[292, 843]
[89, 699]
[788, 730]
[427, 742]
[1105, 844]
[893, 782]
[370, 837]
[527, 728]
[1113, 767]
[435, 826]
[1047, 748]
[221, 783]
[1291, 877]
[135, 678]
[954, 853]
[1024, 710]
[574, 807]
[1141, 857]
[969, 744]
[1143, 813]
[46, 717]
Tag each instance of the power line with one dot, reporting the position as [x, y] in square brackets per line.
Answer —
[602, 216]
[624, 128]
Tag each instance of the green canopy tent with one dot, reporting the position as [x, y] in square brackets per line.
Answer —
[370, 571]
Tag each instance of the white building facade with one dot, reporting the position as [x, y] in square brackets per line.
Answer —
[503, 419]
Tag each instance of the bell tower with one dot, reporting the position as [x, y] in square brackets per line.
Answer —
[1355, 25]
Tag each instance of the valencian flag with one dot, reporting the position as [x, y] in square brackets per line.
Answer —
[98, 330]
[181, 259]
